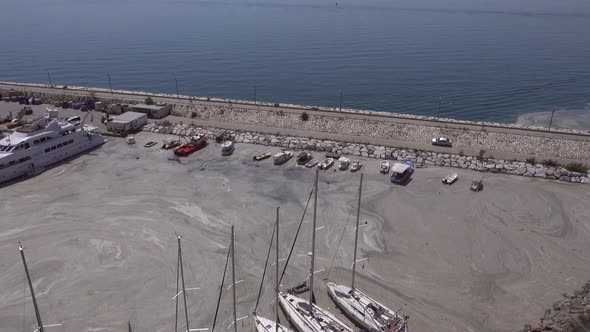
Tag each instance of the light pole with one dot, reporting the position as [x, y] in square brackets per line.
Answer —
[340, 100]
[254, 92]
[177, 93]
[439, 102]
[551, 120]
[110, 85]
[49, 78]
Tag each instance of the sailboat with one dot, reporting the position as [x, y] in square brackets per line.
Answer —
[40, 326]
[304, 314]
[264, 324]
[368, 313]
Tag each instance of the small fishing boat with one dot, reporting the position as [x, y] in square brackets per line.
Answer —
[130, 140]
[477, 185]
[332, 155]
[221, 137]
[197, 142]
[261, 156]
[312, 163]
[356, 165]
[343, 163]
[450, 179]
[384, 167]
[401, 172]
[149, 144]
[282, 157]
[326, 163]
[228, 148]
[171, 144]
[303, 158]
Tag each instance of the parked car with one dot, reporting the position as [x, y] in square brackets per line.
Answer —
[442, 141]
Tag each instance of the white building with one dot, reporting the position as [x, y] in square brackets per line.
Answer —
[126, 122]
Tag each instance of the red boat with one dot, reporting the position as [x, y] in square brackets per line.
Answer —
[196, 143]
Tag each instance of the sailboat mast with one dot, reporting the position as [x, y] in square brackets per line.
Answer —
[176, 299]
[277, 274]
[311, 271]
[356, 235]
[39, 323]
[183, 289]
[233, 277]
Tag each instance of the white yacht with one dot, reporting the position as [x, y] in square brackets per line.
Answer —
[48, 140]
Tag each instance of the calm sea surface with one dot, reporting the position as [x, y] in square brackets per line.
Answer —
[487, 60]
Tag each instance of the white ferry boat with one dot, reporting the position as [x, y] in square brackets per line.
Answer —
[31, 148]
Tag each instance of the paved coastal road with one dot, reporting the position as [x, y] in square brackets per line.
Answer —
[186, 100]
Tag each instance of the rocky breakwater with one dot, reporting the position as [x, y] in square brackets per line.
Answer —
[420, 158]
[471, 141]
[571, 314]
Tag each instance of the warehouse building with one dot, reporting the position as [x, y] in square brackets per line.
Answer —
[153, 111]
[126, 122]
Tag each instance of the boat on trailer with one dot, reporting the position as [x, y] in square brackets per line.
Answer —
[366, 312]
[197, 143]
[304, 314]
[261, 156]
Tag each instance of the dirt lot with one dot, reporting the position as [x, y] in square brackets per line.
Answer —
[99, 234]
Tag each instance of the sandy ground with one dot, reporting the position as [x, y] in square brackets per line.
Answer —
[99, 233]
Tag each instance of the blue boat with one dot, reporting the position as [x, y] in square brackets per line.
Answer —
[401, 172]
[227, 148]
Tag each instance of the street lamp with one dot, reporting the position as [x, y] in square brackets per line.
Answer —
[551, 120]
[49, 77]
[439, 102]
[340, 100]
[177, 93]
[110, 85]
[254, 92]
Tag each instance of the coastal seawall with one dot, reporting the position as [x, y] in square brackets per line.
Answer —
[482, 140]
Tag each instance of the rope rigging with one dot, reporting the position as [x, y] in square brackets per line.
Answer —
[341, 236]
[265, 266]
[221, 288]
[296, 235]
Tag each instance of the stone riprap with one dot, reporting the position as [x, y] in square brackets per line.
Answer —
[469, 139]
[420, 158]
[569, 314]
